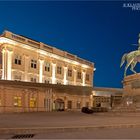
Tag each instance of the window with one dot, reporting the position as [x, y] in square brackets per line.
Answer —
[59, 70]
[17, 77]
[17, 101]
[47, 103]
[87, 104]
[58, 82]
[33, 79]
[47, 81]
[87, 77]
[32, 102]
[33, 64]
[79, 75]
[69, 73]
[47, 67]
[69, 104]
[18, 60]
[78, 105]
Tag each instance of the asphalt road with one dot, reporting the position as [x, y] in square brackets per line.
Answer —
[105, 133]
[118, 133]
[123, 125]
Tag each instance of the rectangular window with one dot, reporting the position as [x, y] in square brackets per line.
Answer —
[87, 104]
[78, 105]
[87, 77]
[59, 70]
[58, 82]
[33, 79]
[69, 73]
[33, 64]
[47, 81]
[47, 67]
[79, 75]
[17, 77]
[17, 101]
[69, 104]
[17, 59]
[32, 102]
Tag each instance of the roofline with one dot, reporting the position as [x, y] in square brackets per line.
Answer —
[27, 38]
[107, 88]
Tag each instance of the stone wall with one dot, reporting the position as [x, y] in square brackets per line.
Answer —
[18, 96]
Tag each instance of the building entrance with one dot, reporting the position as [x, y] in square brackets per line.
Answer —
[59, 105]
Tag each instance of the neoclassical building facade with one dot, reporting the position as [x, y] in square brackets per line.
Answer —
[24, 59]
[37, 77]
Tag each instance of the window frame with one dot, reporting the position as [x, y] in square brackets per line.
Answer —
[47, 67]
[79, 75]
[17, 60]
[33, 63]
[69, 72]
[59, 70]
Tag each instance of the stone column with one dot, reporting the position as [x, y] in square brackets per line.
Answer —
[9, 64]
[53, 73]
[3, 64]
[41, 71]
[83, 78]
[75, 74]
[26, 67]
[65, 75]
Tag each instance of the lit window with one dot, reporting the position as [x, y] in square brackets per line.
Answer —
[69, 73]
[33, 64]
[87, 77]
[17, 59]
[59, 70]
[17, 101]
[47, 67]
[32, 102]
[79, 75]
[33, 79]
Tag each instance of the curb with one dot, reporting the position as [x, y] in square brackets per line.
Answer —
[36, 130]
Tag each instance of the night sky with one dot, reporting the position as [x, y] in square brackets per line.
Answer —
[100, 32]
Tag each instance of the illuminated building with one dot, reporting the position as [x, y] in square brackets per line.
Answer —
[24, 59]
[38, 77]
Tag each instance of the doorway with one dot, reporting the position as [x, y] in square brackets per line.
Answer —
[59, 105]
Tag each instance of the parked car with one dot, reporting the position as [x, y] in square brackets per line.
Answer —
[86, 110]
[60, 109]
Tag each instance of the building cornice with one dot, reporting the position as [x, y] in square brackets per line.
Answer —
[39, 48]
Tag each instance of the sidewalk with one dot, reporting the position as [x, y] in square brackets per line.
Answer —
[64, 121]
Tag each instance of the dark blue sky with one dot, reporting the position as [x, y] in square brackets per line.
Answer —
[100, 32]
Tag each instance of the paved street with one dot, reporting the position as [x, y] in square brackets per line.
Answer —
[70, 125]
[107, 133]
[118, 133]
[65, 119]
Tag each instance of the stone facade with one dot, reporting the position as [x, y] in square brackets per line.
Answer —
[37, 77]
[24, 59]
[18, 96]
[131, 91]
[107, 97]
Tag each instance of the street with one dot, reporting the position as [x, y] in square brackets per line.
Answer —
[70, 125]
[105, 133]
